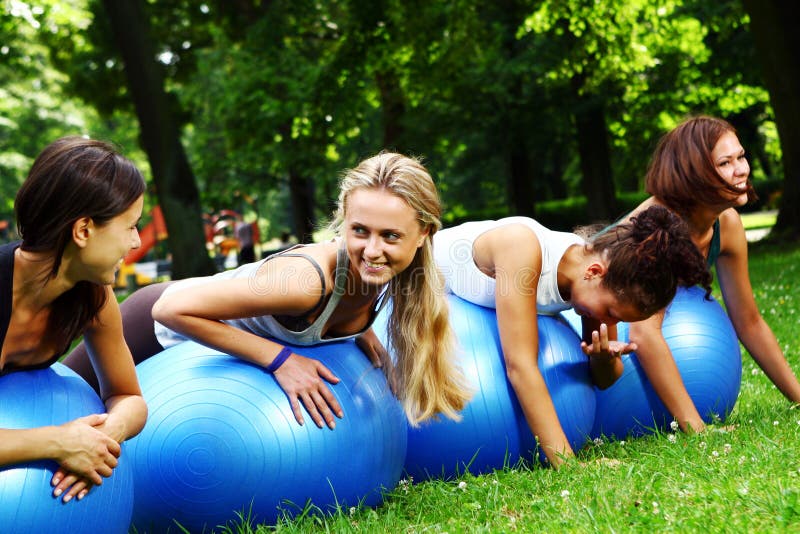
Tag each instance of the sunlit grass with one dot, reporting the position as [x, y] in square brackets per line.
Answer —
[759, 219]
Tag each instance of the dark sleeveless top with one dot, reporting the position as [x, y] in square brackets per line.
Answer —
[6, 296]
[713, 249]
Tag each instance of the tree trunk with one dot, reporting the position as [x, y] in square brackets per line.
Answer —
[301, 193]
[160, 137]
[595, 156]
[393, 108]
[774, 25]
[520, 185]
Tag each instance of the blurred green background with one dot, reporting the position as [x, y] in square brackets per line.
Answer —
[549, 109]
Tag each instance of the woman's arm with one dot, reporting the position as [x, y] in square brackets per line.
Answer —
[604, 350]
[517, 260]
[119, 389]
[114, 367]
[372, 347]
[77, 443]
[752, 330]
[287, 286]
[659, 366]
[83, 452]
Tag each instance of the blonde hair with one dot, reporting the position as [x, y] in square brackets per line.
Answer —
[424, 374]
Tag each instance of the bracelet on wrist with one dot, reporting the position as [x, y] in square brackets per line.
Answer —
[278, 360]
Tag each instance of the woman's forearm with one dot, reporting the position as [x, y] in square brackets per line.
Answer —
[540, 413]
[27, 445]
[605, 371]
[762, 345]
[222, 337]
[656, 359]
[127, 415]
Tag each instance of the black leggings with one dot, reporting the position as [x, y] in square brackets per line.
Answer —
[137, 327]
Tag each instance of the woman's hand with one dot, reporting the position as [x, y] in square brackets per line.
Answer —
[86, 456]
[303, 380]
[370, 345]
[601, 349]
[74, 486]
[605, 362]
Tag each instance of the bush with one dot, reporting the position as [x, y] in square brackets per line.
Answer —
[567, 214]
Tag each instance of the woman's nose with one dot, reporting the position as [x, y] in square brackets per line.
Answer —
[373, 247]
[742, 167]
[137, 240]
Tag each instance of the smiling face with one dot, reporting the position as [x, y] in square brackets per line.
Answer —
[382, 233]
[592, 300]
[106, 245]
[731, 164]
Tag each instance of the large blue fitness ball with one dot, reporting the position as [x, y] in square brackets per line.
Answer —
[493, 432]
[706, 351]
[53, 396]
[221, 439]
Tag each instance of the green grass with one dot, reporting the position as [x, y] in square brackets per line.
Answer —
[740, 477]
[759, 219]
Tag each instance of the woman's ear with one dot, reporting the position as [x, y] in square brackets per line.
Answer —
[81, 230]
[594, 270]
[424, 234]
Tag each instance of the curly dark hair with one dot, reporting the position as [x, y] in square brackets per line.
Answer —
[649, 257]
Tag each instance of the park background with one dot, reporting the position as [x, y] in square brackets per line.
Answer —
[542, 108]
[548, 109]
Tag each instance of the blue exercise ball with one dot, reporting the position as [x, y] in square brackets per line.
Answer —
[53, 396]
[221, 439]
[493, 432]
[706, 351]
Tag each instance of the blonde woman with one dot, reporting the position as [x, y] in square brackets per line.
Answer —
[388, 210]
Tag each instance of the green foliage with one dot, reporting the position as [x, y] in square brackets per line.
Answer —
[268, 100]
[485, 92]
[33, 109]
[36, 106]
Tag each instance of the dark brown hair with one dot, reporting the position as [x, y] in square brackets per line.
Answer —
[649, 257]
[73, 178]
[682, 173]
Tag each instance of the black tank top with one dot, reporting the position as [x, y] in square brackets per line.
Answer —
[6, 296]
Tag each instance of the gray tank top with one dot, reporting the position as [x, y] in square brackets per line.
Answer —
[269, 325]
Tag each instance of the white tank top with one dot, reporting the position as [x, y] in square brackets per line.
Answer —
[453, 249]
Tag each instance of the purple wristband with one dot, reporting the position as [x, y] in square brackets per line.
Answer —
[278, 360]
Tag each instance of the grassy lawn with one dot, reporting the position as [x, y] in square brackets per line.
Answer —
[759, 219]
[737, 477]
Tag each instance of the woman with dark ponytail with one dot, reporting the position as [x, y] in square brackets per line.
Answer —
[699, 171]
[521, 268]
[77, 214]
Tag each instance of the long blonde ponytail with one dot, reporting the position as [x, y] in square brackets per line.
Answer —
[424, 373]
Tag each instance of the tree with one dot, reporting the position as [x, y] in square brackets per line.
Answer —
[175, 183]
[774, 25]
[34, 109]
[601, 54]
